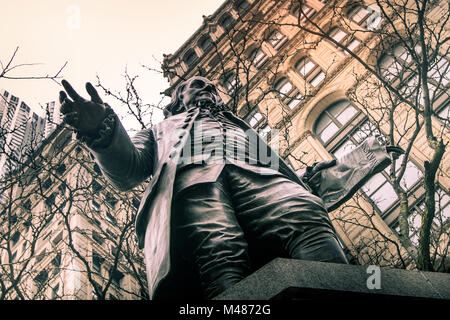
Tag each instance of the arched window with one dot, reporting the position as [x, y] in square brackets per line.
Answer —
[276, 39]
[226, 21]
[341, 127]
[258, 57]
[190, 57]
[288, 93]
[241, 5]
[334, 119]
[310, 71]
[205, 42]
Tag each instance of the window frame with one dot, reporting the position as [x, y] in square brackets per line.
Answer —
[301, 17]
[288, 98]
[351, 14]
[261, 61]
[311, 74]
[277, 42]
[187, 58]
[231, 87]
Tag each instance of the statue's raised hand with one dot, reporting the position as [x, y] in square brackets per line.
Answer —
[83, 115]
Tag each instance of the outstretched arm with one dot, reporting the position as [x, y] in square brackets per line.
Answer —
[125, 162]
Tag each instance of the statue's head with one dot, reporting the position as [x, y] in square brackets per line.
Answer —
[194, 92]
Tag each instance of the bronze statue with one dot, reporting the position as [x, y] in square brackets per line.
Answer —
[204, 224]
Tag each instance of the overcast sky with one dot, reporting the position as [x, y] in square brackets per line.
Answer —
[104, 38]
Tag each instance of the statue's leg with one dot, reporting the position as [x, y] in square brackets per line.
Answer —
[205, 226]
[283, 219]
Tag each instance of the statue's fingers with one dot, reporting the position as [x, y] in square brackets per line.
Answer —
[71, 118]
[67, 106]
[395, 149]
[325, 164]
[62, 96]
[72, 93]
[93, 93]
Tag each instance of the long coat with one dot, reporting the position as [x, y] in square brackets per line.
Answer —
[155, 152]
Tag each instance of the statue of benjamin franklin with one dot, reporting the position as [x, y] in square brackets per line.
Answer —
[207, 219]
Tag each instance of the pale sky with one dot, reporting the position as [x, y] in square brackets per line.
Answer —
[106, 37]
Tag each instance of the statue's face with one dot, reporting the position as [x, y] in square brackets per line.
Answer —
[197, 92]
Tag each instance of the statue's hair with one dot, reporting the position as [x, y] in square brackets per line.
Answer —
[174, 106]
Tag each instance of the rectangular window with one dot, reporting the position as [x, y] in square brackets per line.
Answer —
[373, 184]
[306, 68]
[97, 262]
[15, 238]
[359, 15]
[440, 71]
[40, 256]
[96, 187]
[307, 11]
[41, 278]
[384, 197]
[97, 237]
[277, 39]
[58, 238]
[95, 205]
[353, 45]
[116, 277]
[294, 102]
[338, 35]
[47, 184]
[255, 119]
[57, 260]
[318, 79]
[111, 219]
[111, 201]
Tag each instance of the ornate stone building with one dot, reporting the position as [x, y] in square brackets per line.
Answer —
[314, 87]
[65, 233]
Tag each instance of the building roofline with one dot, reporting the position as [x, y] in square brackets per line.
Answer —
[206, 20]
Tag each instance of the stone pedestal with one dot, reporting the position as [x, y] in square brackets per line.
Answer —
[287, 279]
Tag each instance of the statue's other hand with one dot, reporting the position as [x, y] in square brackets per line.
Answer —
[311, 178]
[82, 115]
